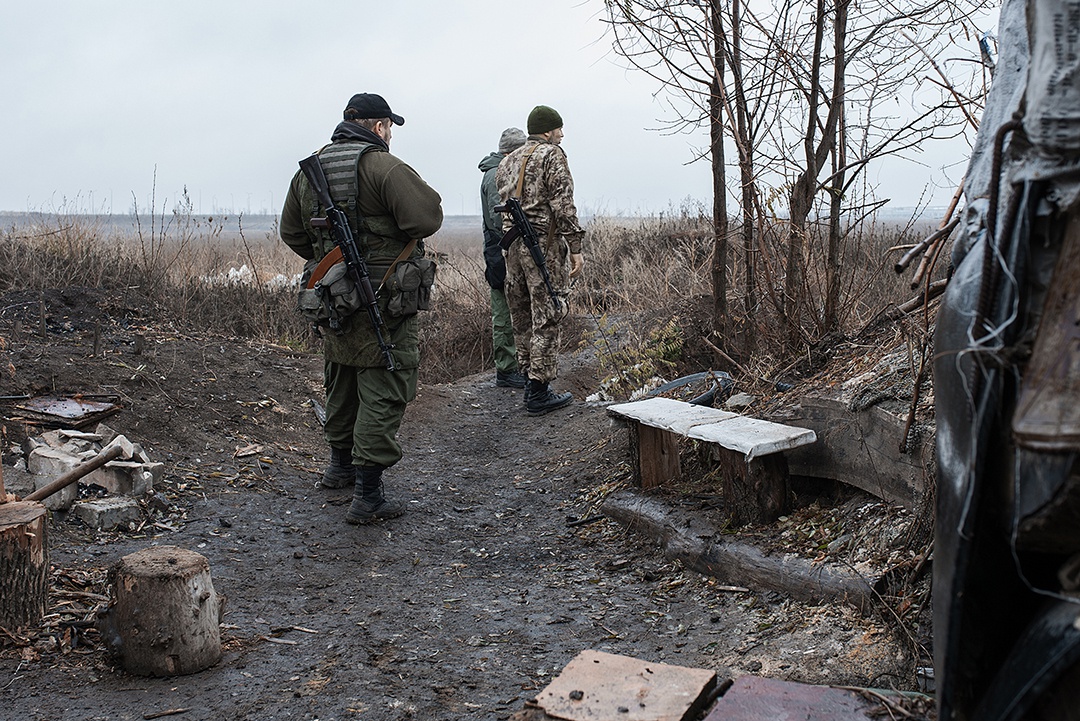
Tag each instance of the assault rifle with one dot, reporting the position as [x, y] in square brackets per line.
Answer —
[340, 231]
[523, 229]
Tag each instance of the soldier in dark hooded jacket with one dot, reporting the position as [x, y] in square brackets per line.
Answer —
[389, 206]
[507, 374]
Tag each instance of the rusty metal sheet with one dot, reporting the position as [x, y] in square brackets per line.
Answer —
[1047, 414]
[66, 412]
[752, 698]
[598, 686]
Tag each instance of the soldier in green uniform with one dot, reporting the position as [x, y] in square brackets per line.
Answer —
[390, 210]
[538, 175]
[507, 374]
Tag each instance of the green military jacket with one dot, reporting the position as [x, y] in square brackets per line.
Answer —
[396, 206]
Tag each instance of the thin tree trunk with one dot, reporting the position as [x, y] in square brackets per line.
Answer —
[832, 267]
[719, 179]
[747, 183]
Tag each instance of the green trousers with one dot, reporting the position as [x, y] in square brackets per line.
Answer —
[364, 407]
[502, 334]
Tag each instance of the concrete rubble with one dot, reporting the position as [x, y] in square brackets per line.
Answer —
[114, 487]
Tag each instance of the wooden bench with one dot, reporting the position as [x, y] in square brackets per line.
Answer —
[749, 451]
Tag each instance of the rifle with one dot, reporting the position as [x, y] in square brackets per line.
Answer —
[340, 231]
[523, 229]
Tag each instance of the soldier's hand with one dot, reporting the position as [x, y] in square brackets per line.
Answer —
[577, 262]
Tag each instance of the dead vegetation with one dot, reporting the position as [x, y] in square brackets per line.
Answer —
[644, 314]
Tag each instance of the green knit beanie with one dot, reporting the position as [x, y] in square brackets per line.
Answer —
[542, 119]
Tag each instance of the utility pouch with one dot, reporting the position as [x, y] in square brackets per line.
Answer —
[331, 300]
[408, 287]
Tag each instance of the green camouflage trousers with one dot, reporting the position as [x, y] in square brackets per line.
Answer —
[364, 407]
[502, 334]
[535, 320]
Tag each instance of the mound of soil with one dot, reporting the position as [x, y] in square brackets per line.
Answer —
[464, 607]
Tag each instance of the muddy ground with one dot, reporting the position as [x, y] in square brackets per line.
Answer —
[465, 607]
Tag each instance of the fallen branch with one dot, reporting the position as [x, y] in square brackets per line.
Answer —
[160, 714]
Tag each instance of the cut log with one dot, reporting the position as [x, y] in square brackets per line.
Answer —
[24, 564]
[756, 491]
[701, 548]
[163, 616]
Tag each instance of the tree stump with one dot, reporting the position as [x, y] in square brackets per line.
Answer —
[755, 491]
[163, 616]
[24, 564]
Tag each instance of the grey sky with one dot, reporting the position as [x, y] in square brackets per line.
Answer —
[225, 97]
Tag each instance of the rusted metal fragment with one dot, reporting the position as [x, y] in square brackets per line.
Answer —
[752, 698]
[66, 412]
[597, 685]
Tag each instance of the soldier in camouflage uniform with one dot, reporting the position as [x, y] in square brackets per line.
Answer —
[388, 206]
[538, 175]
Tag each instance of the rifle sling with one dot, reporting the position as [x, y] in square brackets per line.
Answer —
[521, 185]
[330, 259]
[334, 257]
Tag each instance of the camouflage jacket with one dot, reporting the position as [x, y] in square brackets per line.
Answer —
[547, 193]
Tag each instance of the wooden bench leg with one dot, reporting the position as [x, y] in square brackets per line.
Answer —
[755, 492]
[654, 455]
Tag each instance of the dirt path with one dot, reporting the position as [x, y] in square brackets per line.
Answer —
[463, 608]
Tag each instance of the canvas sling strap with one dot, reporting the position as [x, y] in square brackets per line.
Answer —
[521, 185]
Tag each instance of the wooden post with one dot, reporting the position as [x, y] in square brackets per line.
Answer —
[24, 564]
[163, 616]
[654, 455]
[755, 491]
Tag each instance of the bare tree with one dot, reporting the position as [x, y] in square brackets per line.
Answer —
[693, 49]
[767, 80]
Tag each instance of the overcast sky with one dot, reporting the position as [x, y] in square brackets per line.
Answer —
[106, 102]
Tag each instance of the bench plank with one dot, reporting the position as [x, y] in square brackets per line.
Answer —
[752, 437]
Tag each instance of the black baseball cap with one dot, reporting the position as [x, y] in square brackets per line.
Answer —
[369, 105]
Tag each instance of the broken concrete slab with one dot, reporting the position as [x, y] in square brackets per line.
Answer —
[127, 478]
[22, 483]
[51, 462]
[105, 514]
[124, 443]
[863, 447]
[598, 685]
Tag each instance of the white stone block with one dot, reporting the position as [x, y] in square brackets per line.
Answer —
[105, 514]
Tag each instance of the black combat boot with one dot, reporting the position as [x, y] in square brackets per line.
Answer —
[510, 379]
[341, 472]
[368, 503]
[542, 400]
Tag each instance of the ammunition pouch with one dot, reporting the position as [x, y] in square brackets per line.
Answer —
[332, 299]
[408, 287]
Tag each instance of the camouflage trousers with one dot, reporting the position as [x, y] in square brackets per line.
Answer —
[535, 319]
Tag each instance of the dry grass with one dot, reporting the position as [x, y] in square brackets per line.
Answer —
[643, 303]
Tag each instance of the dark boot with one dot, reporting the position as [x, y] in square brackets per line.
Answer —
[542, 400]
[368, 503]
[511, 379]
[341, 472]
